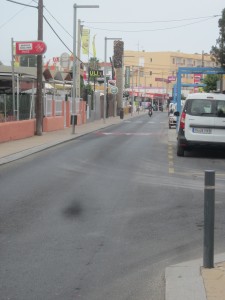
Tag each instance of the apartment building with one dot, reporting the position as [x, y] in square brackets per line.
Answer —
[157, 70]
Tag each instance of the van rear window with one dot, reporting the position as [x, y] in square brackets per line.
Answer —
[200, 107]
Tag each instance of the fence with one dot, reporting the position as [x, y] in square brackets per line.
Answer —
[21, 109]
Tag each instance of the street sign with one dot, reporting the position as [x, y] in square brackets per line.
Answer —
[114, 89]
[30, 48]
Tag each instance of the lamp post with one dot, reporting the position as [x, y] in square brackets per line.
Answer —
[75, 6]
[132, 82]
[132, 99]
[124, 56]
[104, 104]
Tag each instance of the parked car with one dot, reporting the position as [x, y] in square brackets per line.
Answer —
[172, 120]
[171, 115]
[202, 122]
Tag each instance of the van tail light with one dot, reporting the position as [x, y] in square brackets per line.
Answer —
[182, 120]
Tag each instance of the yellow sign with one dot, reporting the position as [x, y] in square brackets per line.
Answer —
[93, 46]
[85, 40]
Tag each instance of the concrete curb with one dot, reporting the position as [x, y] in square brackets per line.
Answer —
[184, 281]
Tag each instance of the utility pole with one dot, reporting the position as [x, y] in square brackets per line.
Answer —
[78, 59]
[39, 101]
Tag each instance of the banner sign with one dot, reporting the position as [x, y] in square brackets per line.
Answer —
[93, 46]
[31, 48]
[85, 40]
[127, 77]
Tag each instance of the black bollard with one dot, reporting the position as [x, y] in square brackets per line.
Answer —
[209, 216]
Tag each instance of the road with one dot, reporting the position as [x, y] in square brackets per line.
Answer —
[102, 216]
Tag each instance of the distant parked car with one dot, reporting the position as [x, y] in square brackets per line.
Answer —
[172, 120]
[171, 115]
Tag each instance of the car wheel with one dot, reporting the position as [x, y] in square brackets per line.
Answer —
[180, 150]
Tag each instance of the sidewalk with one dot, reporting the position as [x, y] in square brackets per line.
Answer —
[13, 150]
[185, 281]
[190, 281]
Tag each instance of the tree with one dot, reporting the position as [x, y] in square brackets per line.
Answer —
[118, 64]
[218, 52]
[211, 82]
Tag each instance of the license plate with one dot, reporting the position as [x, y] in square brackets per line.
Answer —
[202, 130]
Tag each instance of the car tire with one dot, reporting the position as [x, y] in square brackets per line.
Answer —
[180, 150]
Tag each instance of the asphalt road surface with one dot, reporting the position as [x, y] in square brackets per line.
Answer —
[102, 216]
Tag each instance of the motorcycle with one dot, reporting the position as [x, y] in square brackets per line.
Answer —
[150, 112]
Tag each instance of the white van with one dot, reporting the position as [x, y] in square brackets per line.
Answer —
[202, 122]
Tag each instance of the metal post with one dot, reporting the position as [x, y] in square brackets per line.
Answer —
[74, 67]
[132, 99]
[104, 102]
[178, 92]
[104, 106]
[39, 101]
[13, 78]
[4, 95]
[209, 215]
[17, 97]
[79, 33]
[75, 6]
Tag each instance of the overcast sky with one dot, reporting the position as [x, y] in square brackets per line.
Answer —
[167, 25]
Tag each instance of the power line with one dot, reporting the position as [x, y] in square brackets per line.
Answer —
[150, 30]
[23, 3]
[57, 34]
[11, 18]
[58, 22]
[150, 22]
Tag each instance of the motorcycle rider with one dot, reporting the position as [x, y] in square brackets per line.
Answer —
[150, 110]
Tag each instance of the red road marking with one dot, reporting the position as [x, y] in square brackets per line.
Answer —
[124, 133]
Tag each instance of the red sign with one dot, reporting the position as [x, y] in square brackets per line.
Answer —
[197, 78]
[172, 78]
[30, 48]
[55, 59]
[160, 79]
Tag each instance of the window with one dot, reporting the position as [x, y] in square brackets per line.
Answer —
[200, 107]
[221, 109]
[141, 61]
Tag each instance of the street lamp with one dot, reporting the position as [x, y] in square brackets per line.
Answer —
[132, 82]
[132, 100]
[75, 6]
[104, 104]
